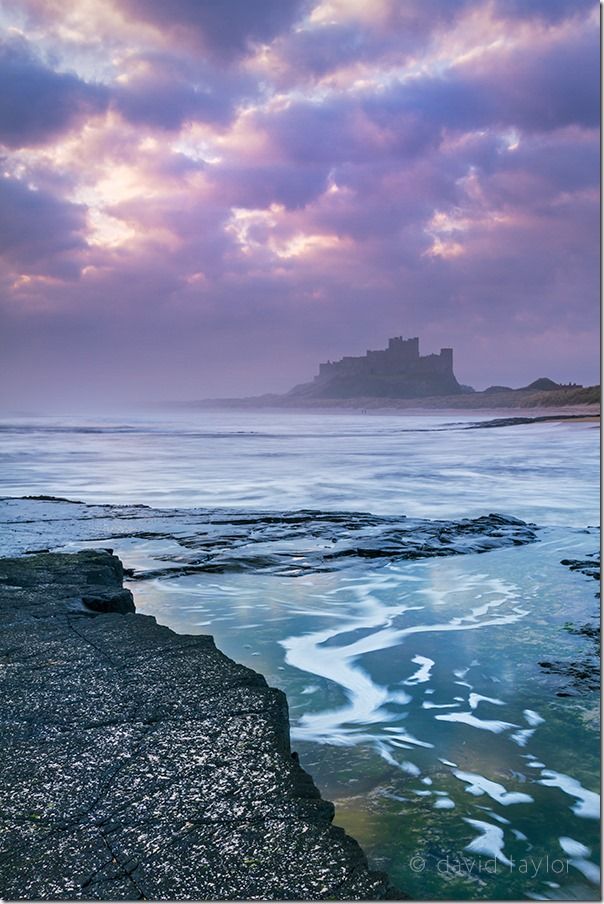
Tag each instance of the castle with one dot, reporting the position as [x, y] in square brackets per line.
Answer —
[398, 371]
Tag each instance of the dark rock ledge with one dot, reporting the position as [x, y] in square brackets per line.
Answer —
[142, 764]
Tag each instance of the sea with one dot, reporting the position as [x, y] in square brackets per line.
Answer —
[464, 767]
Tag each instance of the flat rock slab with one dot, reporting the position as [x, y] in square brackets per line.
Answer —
[141, 764]
[288, 544]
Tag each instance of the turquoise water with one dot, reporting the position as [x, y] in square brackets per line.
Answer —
[417, 703]
[416, 698]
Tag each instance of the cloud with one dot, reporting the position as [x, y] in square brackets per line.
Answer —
[259, 186]
[537, 88]
[530, 87]
[547, 10]
[225, 29]
[165, 91]
[39, 233]
[339, 35]
[38, 104]
[343, 130]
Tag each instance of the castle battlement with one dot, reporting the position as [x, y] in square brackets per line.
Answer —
[401, 358]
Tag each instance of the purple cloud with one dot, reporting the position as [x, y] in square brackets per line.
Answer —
[166, 91]
[39, 233]
[37, 103]
[224, 29]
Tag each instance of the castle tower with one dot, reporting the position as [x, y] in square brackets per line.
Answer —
[446, 355]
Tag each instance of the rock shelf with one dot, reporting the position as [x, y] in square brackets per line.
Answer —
[142, 764]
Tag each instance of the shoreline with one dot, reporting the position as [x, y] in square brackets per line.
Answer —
[144, 763]
[370, 408]
[564, 399]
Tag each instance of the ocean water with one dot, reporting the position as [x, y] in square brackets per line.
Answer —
[429, 466]
[416, 696]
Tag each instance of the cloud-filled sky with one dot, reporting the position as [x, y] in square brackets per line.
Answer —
[205, 198]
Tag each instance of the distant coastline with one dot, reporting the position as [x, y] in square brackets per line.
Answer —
[576, 400]
[398, 378]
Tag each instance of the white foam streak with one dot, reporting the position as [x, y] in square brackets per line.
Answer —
[588, 802]
[489, 842]
[578, 854]
[317, 654]
[573, 848]
[475, 699]
[479, 785]
[523, 736]
[533, 718]
[469, 719]
[423, 673]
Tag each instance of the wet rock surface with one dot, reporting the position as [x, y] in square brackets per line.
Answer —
[142, 764]
[189, 541]
[589, 567]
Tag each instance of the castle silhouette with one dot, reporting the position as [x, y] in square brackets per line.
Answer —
[398, 371]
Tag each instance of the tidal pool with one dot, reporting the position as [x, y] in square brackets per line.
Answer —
[418, 705]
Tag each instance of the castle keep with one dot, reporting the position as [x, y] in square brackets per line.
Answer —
[398, 371]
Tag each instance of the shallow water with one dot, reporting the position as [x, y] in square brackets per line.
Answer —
[416, 698]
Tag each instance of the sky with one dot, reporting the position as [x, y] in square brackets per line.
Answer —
[203, 198]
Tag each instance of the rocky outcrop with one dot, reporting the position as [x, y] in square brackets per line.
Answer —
[142, 764]
[289, 544]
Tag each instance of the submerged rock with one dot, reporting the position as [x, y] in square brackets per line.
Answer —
[141, 764]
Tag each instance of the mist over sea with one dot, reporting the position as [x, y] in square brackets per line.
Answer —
[416, 696]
